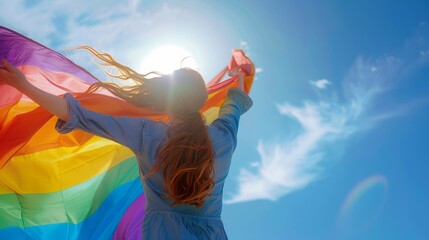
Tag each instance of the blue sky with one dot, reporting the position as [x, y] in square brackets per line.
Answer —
[334, 146]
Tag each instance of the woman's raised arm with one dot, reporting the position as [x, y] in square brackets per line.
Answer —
[124, 130]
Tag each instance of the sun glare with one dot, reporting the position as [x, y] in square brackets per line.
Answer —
[166, 59]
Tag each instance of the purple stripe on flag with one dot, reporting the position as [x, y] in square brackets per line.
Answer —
[20, 50]
[130, 226]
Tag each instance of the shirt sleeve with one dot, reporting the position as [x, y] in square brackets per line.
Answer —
[236, 103]
[123, 130]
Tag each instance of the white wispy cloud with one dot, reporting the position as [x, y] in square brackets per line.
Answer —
[322, 83]
[244, 45]
[424, 53]
[291, 165]
[257, 70]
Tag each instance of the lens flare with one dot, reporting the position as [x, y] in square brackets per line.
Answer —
[362, 205]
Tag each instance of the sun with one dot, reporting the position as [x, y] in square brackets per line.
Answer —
[165, 59]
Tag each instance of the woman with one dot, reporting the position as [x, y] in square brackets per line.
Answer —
[183, 164]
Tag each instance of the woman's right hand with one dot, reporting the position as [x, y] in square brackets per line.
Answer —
[241, 76]
[12, 76]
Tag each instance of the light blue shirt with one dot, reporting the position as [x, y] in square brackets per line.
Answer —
[144, 137]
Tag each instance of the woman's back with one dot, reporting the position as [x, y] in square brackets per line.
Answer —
[184, 221]
[163, 221]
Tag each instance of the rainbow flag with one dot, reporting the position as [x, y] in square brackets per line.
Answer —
[76, 185]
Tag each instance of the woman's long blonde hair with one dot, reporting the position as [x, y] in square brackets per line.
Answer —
[187, 158]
